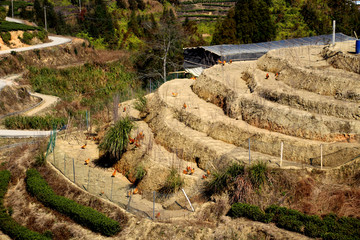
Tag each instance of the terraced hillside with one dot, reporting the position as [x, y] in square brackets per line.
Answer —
[312, 108]
[204, 10]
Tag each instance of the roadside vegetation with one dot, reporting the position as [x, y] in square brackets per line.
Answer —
[8, 225]
[47, 122]
[330, 227]
[83, 215]
[90, 86]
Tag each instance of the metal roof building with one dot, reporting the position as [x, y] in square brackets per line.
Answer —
[198, 58]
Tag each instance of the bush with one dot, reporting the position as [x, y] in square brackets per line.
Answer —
[140, 173]
[12, 26]
[140, 103]
[27, 37]
[330, 227]
[83, 215]
[117, 138]
[8, 225]
[173, 182]
[257, 174]
[36, 122]
[221, 180]
[6, 37]
[249, 211]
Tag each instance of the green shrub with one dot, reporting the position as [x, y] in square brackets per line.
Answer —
[221, 180]
[27, 37]
[117, 138]
[173, 182]
[12, 26]
[35, 122]
[83, 215]
[249, 211]
[13, 53]
[140, 103]
[42, 35]
[139, 173]
[8, 225]
[257, 174]
[6, 37]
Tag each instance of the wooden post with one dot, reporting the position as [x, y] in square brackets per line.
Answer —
[128, 205]
[188, 200]
[65, 165]
[154, 205]
[249, 153]
[321, 156]
[88, 179]
[281, 153]
[74, 169]
[112, 184]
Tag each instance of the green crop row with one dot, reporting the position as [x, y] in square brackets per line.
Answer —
[83, 215]
[216, 5]
[203, 16]
[11, 26]
[330, 227]
[199, 10]
[35, 122]
[8, 225]
[207, 1]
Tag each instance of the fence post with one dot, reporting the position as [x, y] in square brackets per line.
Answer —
[74, 169]
[321, 156]
[128, 205]
[88, 179]
[112, 184]
[54, 157]
[249, 153]
[188, 200]
[64, 165]
[281, 153]
[154, 205]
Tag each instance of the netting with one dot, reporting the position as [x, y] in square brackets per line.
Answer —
[206, 56]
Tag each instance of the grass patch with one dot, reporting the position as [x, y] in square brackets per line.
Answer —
[221, 181]
[11, 26]
[83, 215]
[92, 85]
[117, 138]
[140, 103]
[35, 122]
[330, 227]
[207, 1]
[8, 225]
[173, 182]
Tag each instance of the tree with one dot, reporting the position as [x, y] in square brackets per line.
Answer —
[163, 52]
[121, 4]
[250, 22]
[141, 4]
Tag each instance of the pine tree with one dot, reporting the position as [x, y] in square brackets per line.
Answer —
[141, 4]
[121, 4]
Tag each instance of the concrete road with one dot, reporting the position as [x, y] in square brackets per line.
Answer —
[54, 42]
[8, 80]
[23, 133]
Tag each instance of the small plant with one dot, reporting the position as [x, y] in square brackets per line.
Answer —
[37, 52]
[222, 180]
[40, 159]
[173, 182]
[139, 173]
[140, 103]
[117, 138]
[27, 37]
[76, 51]
[13, 53]
[6, 37]
[258, 174]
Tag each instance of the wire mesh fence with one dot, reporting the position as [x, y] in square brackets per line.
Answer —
[106, 184]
